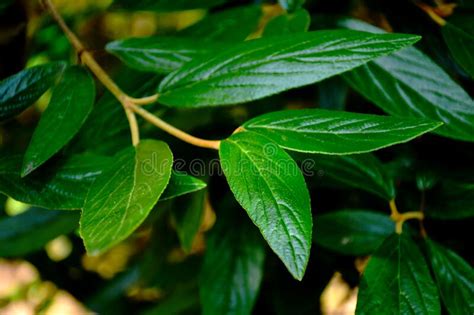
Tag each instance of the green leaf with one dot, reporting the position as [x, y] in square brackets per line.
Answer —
[330, 132]
[409, 84]
[161, 54]
[269, 186]
[31, 230]
[352, 231]
[450, 201]
[70, 104]
[164, 5]
[181, 184]
[455, 279]
[187, 213]
[232, 269]
[397, 281]
[285, 24]
[360, 171]
[258, 68]
[231, 25]
[60, 184]
[182, 300]
[291, 5]
[461, 46]
[24, 88]
[123, 196]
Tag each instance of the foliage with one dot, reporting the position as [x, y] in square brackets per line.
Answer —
[321, 124]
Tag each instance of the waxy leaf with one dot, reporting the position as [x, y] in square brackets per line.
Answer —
[60, 184]
[450, 201]
[455, 279]
[262, 67]
[397, 281]
[360, 171]
[164, 5]
[461, 45]
[352, 231]
[409, 84]
[31, 230]
[161, 54]
[187, 213]
[231, 25]
[296, 22]
[269, 186]
[232, 269]
[181, 184]
[123, 196]
[70, 104]
[24, 88]
[330, 132]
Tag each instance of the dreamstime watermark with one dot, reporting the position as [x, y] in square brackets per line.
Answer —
[268, 160]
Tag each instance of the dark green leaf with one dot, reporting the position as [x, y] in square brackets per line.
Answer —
[291, 5]
[297, 22]
[461, 46]
[123, 196]
[187, 213]
[181, 184]
[232, 269]
[232, 25]
[70, 104]
[397, 281]
[262, 67]
[333, 93]
[24, 88]
[409, 84]
[330, 132]
[31, 230]
[352, 231]
[179, 301]
[165, 5]
[161, 54]
[269, 186]
[60, 184]
[455, 279]
[450, 200]
[360, 171]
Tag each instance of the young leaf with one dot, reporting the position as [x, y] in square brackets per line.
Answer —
[232, 269]
[181, 184]
[269, 186]
[262, 67]
[285, 24]
[397, 280]
[461, 45]
[31, 230]
[455, 279]
[60, 184]
[164, 5]
[360, 171]
[352, 231]
[330, 132]
[161, 54]
[450, 201]
[70, 104]
[187, 213]
[123, 196]
[409, 84]
[291, 5]
[232, 25]
[24, 88]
